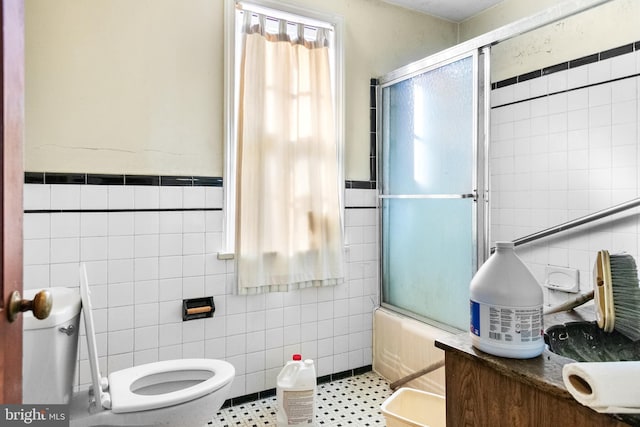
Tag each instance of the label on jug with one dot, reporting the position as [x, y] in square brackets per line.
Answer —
[298, 406]
[506, 324]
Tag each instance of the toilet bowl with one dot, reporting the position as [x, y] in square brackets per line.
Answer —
[184, 392]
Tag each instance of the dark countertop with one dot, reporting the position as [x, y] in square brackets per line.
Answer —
[543, 372]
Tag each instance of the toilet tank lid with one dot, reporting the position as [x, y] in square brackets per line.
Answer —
[65, 306]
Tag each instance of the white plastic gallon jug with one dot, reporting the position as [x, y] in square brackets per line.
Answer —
[506, 307]
[296, 392]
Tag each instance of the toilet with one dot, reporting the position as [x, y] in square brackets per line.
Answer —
[185, 392]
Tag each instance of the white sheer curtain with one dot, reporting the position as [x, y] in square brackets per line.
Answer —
[288, 218]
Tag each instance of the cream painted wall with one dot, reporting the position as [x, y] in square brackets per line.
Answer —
[118, 86]
[136, 86]
[610, 25]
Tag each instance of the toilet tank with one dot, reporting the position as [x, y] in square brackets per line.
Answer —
[49, 349]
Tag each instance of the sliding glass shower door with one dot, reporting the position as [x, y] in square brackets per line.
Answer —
[429, 190]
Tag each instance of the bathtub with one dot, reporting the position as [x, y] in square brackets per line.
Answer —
[402, 346]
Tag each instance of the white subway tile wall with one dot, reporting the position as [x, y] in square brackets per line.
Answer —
[141, 264]
[570, 152]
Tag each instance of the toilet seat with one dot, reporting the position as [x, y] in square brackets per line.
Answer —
[132, 389]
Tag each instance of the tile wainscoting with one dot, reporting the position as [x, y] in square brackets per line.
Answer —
[149, 243]
[564, 143]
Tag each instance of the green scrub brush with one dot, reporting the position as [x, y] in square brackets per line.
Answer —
[616, 294]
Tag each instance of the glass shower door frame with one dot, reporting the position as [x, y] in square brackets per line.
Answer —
[479, 146]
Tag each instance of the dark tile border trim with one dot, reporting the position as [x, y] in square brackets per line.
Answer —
[64, 178]
[373, 128]
[115, 179]
[94, 179]
[364, 185]
[589, 59]
[503, 83]
[628, 48]
[147, 180]
[555, 68]
[251, 397]
[585, 60]
[176, 181]
[565, 91]
[530, 76]
[33, 178]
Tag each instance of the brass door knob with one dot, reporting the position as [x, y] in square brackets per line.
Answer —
[40, 305]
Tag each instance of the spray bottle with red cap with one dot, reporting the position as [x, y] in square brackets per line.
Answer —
[296, 392]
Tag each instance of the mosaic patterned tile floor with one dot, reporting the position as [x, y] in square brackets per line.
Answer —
[353, 401]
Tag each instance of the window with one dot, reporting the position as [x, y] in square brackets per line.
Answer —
[283, 175]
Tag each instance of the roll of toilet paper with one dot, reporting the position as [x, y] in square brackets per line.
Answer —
[610, 387]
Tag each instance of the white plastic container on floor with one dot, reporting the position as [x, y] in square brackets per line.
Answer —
[295, 393]
[506, 307]
[408, 407]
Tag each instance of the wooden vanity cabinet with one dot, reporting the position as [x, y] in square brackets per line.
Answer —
[485, 390]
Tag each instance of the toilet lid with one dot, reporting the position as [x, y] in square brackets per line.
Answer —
[103, 400]
[127, 387]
